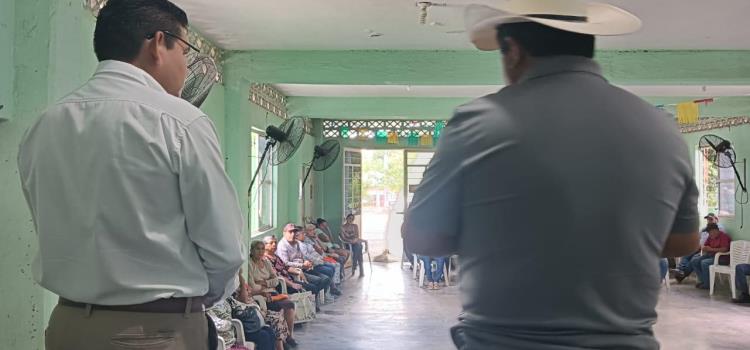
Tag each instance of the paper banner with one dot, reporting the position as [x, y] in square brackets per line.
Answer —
[687, 113]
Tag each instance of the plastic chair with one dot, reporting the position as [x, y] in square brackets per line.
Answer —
[239, 334]
[739, 253]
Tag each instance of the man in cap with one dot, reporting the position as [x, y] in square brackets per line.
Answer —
[567, 170]
[684, 269]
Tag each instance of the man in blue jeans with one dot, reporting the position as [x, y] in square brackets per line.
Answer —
[741, 271]
[433, 278]
[684, 269]
[717, 242]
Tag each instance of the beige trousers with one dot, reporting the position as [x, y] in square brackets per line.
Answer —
[72, 328]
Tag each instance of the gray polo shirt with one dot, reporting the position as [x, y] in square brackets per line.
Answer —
[558, 193]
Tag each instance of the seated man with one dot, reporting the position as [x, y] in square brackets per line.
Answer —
[329, 254]
[319, 266]
[684, 269]
[741, 272]
[324, 236]
[289, 251]
[717, 242]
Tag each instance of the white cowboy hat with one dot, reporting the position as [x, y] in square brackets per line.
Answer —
[569, 15]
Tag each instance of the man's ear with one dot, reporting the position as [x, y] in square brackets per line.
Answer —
[513, 53]
[153, 47]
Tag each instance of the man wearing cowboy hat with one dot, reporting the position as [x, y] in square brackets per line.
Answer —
[573, 176]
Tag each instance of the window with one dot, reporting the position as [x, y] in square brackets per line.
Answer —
[716, 185]
[262, 211]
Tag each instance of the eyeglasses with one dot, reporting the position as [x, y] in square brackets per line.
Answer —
[186, 50]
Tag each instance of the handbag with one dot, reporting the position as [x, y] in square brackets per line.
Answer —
[304, 306]
[249, 315]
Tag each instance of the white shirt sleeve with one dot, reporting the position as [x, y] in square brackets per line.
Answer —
[212, 213]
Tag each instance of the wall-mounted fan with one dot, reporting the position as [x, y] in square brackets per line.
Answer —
[284, 141]
[202, 74]
[323, 157]
[720, 152]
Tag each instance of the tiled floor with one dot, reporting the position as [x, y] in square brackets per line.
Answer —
[386, 310]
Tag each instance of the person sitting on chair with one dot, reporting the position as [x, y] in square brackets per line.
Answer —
[717, 242]
[741, 271]
[263, 281]
[684, 269]
[350, 235]
[433, 277]
[320, 266]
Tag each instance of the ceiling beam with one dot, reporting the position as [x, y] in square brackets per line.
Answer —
[635, 67]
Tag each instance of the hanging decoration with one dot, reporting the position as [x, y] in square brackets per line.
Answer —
[344, 132]
[381, 137]
[393, 138]
[425, 140]
[687, 113]
[363, 134]
[439, 125]
[413, 139]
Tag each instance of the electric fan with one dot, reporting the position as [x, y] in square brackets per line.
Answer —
[323, 157]
[720, 152]
[202, 74]
[286, 139]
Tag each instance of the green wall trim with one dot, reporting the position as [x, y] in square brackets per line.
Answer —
[440, 67]
[442, 108]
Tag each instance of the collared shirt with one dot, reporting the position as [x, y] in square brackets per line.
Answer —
[128, 193]
[558, 193]
[290, 253]
[308, 251]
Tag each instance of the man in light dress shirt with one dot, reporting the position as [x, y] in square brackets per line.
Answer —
[290, 252]
[563, 168]
[138, 225]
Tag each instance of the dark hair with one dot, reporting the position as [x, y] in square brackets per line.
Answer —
[320, 221]
[352, 215]
[710, 227]
[540, 40]
[123, 25]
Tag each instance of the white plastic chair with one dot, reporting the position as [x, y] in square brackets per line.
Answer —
[239, 334]
[417, 266]
[422, 269]
[739, 253]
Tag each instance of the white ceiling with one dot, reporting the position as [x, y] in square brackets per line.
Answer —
[319, 90]
[347, 24]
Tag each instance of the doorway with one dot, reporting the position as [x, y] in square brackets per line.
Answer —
[388, 181]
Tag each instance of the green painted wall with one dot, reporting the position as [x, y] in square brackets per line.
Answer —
[244, 116]
[740, 138]
[52, 54]
[213, 106]
[7, 32]
[434, 67]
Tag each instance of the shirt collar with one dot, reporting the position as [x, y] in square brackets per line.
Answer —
[544, 66]
[128, 71]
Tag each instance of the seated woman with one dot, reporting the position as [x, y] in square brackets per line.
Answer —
[329, 255]
[433, 278]
[221, 315]
[350, 235]
[242, 297]
[262, 280]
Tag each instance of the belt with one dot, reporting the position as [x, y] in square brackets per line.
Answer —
[169, 306]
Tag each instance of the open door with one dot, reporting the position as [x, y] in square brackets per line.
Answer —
[352, 185]
[415, 163]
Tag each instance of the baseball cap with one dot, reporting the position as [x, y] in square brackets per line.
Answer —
[710, 215]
